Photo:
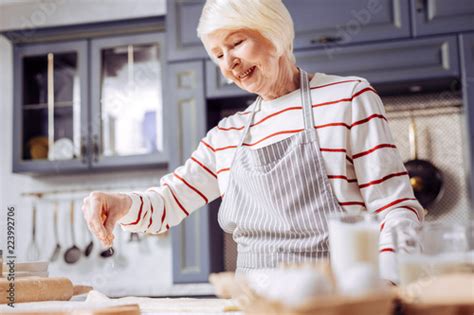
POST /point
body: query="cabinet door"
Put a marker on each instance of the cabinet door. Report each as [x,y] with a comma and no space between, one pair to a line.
[129,122]
[50,107]
[467,60]
[441,16]
[190,239]
[400,61]
[182,19]
[322,22]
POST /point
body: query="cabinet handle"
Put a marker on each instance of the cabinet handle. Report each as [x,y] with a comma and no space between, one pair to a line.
[326,39]
[95,148]
[50,106]
[83,150]
[420,5]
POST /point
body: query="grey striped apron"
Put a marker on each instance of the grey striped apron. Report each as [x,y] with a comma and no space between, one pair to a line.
[279,197]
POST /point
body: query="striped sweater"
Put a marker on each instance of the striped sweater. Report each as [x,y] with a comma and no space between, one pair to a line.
[363,164]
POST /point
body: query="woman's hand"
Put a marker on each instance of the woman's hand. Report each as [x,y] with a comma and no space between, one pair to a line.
[102,211]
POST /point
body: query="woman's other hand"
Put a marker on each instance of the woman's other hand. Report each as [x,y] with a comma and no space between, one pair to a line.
[102,211]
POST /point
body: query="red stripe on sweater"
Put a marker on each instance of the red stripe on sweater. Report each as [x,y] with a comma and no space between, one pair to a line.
[139,213]
[177,201]
[333,150]
[387,249]
[380,146]
[337,150]
[272,135]
[163,216]
[392,204]
[261,120]
[223,170]
[192,187]
[352,203]
[203,166]
[208,145]
[167,226]
[363,121]
[378,181]
[151,216]
[342,177]
[334,83]
[333,125]
[348,99]
[413,210]
[382,226]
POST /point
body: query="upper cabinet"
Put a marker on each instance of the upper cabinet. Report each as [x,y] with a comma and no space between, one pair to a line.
[319,23]
[127,116]
[92,103]
[441,16]
[181,22]
[50,112]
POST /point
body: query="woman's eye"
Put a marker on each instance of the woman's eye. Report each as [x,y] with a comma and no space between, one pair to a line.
[238,43]
[219,56]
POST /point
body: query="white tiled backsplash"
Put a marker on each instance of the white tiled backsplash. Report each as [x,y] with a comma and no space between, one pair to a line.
[439,119]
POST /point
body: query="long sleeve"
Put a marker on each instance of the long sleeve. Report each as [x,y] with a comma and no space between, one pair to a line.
[381,175]
[188,188]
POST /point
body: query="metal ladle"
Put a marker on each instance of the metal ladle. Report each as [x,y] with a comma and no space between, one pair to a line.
[57,249]
[73,254]
[33,250]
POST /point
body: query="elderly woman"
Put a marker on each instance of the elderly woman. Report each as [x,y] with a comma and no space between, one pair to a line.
[309,146]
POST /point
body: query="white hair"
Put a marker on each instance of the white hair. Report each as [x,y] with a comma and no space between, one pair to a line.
[269,17]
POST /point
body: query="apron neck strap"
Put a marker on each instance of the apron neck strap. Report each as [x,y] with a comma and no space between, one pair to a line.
[305,102]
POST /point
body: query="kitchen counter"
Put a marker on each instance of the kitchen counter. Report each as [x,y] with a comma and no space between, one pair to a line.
[96,299]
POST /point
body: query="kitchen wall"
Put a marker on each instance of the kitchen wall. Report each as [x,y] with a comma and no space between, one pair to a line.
[148,269]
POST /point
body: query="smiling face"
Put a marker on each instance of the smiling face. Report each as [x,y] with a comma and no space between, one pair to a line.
[249,60]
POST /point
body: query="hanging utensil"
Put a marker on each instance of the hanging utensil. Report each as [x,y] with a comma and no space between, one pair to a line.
[425,178]
[73,254]
[89,246]
[57,248]
[33,253]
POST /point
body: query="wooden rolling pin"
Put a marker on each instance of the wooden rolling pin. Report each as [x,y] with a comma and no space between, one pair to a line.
[34,289]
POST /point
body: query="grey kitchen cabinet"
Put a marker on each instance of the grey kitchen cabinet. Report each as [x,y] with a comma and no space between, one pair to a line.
[467,60]
[129,117]
[441,16]
[90,98]
[181,23]
[50,109]
[397,61]
[321,23]
[318,23]
[192,239]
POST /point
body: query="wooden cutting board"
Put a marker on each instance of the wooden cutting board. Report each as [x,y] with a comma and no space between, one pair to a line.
[35,289]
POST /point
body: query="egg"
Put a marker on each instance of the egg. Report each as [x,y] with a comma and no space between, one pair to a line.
[360,279]
[292,286]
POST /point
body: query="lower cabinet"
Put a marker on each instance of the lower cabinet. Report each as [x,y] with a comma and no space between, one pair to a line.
[467,66]
[195,246]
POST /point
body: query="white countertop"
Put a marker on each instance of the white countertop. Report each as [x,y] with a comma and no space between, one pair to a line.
[95,299]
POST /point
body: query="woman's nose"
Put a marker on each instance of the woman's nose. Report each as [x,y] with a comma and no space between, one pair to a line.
[231,62]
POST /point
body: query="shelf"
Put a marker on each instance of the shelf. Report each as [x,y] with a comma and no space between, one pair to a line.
[45,105]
